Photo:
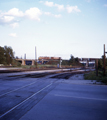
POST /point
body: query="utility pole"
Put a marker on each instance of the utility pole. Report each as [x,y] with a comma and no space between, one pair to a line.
[35,57]
[104,61]
[96,67]
[104,72]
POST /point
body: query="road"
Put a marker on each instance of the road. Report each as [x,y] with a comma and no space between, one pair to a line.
[51,96]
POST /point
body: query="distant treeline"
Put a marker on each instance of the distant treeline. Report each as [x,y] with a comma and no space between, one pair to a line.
[75,62]
[7,56]
[72,61]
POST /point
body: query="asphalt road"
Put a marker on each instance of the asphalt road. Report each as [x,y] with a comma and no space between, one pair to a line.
[52,96]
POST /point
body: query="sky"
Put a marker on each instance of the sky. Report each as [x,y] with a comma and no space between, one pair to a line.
[57,28]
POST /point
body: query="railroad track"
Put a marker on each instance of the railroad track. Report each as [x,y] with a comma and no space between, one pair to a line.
[25,97]
[58,75]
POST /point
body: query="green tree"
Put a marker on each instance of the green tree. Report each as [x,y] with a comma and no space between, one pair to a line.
[71,61]
[9,55]
[2,57]
[74,61]
[100,64]
[65,62]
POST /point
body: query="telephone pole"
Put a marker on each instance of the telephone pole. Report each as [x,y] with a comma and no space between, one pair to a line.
[104,60]
[35,57]
[96,62]
[104,73]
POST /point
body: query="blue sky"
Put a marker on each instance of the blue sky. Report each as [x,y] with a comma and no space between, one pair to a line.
[57,28]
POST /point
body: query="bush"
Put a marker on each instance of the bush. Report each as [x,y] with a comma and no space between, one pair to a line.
[92,76]
[16,63]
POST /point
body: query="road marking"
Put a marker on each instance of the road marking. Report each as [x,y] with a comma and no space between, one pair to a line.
[31,83]
[24,100]
[82,97]
[17,89]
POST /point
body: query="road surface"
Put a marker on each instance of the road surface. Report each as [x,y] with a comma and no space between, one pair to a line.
[51,96]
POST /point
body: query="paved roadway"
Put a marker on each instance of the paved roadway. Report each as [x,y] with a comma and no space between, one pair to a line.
[51,97]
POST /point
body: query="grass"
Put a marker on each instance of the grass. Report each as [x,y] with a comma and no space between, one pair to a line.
[38,66]
[42,66]
[46,66]
[28,66]
[100,77]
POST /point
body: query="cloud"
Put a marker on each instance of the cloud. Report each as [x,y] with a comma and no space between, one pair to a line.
[14,12]
[60,7]
[6,19]
[33,13]
[72,9]
[13,35]
[14,25]
[50,14]
[57,16]
[12,16]
[50,4]
[40,1]
[47,13]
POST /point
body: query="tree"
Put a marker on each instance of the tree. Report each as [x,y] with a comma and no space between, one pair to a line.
[73,60]
[9,55]
[2,57]
[65,62]
[100,64]
[76,60]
